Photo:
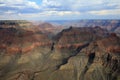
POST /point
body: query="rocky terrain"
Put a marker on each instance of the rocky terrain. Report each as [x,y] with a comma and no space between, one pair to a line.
[76,53]
[110,25]
[49,29]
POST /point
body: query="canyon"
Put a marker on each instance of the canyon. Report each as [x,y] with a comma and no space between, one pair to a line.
[55,52]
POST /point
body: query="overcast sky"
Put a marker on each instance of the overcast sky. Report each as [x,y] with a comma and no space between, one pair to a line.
[59,9]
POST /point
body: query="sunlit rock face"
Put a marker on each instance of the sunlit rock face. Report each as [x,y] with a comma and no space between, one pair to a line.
[27,53]
[15,40]
[110,25]
[73,38]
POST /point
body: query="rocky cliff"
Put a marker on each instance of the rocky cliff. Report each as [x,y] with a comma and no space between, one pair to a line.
[110,25]
[89,53]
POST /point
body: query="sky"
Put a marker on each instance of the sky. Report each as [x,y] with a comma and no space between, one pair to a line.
[59,9]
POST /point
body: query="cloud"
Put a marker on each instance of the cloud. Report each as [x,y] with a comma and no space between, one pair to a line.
[19,4]
[42,15]
[50,13]
[53,3]
[106,12]
[80,5]
[32,4]
[9,12]
[61,8]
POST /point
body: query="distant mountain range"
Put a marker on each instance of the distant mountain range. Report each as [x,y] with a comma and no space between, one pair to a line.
[110,25]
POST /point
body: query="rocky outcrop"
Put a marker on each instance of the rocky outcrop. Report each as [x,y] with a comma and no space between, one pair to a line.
[94,62]
[49,29]
[15,39]
[110,25]
[73,54]
[20,47]
[73,38]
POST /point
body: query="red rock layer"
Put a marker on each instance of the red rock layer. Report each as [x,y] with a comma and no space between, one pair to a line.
[76,37]
[110,44]
[21,41]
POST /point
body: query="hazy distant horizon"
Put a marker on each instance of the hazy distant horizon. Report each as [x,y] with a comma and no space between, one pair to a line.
[53,19]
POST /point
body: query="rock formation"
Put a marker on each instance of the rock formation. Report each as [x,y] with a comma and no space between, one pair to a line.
[87,53]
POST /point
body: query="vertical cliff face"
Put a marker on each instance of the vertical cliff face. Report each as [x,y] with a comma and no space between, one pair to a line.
[73,38]
[110,25]
[15,39]
[91,62]
[73,54]
[94,62]
[19,47]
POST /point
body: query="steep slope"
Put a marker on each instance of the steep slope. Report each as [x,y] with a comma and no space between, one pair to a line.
[49,29]
[75,37]
[110,25]
[98,61]
[21,47]
[13,38]
[80,53]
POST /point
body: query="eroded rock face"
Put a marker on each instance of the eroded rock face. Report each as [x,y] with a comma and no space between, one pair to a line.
[49,29]
[73,38]
[74,54]
[110,25]
[17,47]
[94,62]
[15,40]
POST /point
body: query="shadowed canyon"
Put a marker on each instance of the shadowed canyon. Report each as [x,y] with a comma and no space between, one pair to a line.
[53,50]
